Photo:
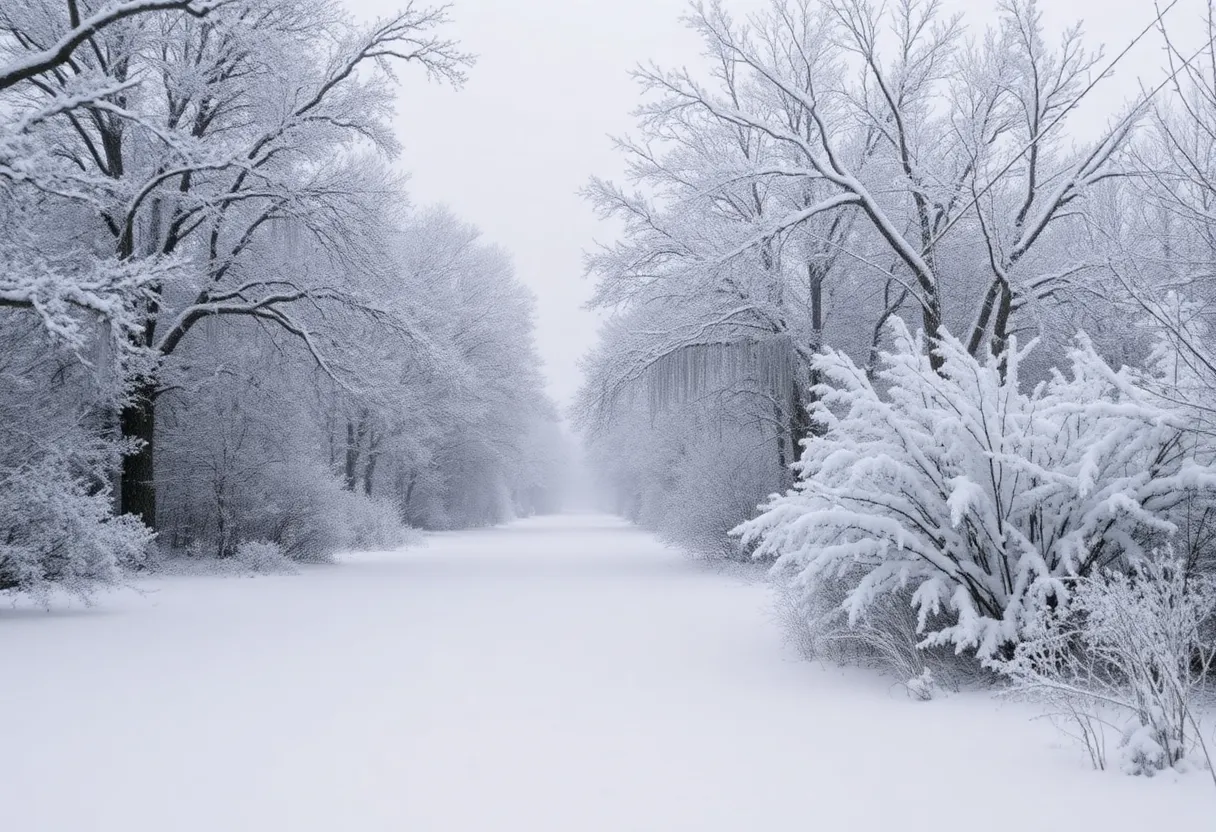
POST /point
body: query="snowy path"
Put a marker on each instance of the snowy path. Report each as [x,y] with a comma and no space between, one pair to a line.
[566,674]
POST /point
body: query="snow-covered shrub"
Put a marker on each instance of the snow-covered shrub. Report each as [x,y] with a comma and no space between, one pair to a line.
[302,511]
[232,472]
[56,532]
[884,638]
[262,557]
[923,687]
[1131,654]
[56,523]
[716,483]
[980,497]
[300,507]
[373,524]
[305,510]
[690,473]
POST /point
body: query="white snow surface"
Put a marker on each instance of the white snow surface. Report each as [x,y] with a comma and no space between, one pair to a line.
[567,674]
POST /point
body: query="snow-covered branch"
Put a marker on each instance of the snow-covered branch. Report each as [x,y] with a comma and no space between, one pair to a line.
[40,61]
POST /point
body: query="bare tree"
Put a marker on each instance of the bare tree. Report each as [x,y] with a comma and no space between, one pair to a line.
[984,163]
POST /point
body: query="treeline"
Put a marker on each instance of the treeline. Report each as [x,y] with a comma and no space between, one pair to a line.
[857,246]
[221,321]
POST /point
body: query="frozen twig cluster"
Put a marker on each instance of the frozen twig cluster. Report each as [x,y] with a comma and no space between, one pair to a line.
[1130,658]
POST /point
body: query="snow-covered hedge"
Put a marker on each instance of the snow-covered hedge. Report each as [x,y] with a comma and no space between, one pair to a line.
[981,497]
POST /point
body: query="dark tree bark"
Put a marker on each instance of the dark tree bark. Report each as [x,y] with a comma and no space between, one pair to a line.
[409,492]
[802,397]
[373,455]
[353,440]
[1000,326]
[138,423]
[779,419]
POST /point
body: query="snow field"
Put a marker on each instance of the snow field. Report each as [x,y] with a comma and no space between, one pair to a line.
[566,673]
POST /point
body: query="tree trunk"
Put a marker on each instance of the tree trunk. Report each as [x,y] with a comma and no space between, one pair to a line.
[353,441]
[369,473]
[980,329]
[333,444]
[138,424]
[374,440]
[931,320]
[355,434]
[409,492]
[801,425]
[779,419]
[1000,326]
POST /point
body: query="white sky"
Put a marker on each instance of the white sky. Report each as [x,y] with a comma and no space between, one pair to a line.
[510,151]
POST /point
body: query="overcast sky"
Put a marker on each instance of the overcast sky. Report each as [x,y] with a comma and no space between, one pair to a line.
[510,151]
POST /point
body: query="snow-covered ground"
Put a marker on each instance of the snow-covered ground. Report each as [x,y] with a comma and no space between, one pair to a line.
[565,674]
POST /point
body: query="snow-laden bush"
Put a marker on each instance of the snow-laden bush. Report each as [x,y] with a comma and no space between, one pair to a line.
[714,484]
[884,638]
[980,497]
[57,532]
[262,557]
[373,524]
[298,505]
[1130,656]
[691,473]
[303,508]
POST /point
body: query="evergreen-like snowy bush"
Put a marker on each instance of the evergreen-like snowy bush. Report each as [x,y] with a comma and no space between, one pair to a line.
[979,496]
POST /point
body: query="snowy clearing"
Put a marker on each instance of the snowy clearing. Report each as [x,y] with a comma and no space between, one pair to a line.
[566,673]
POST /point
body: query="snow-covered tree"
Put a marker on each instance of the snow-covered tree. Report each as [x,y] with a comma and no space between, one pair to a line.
[57,529]
[833,165]
[67,309]
[434,430]
[41,45]
[885,113]
[473,470]
[212,277]
[252,117]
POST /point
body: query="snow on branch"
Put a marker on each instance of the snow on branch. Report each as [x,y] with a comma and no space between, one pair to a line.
[71,292]
[44,60]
